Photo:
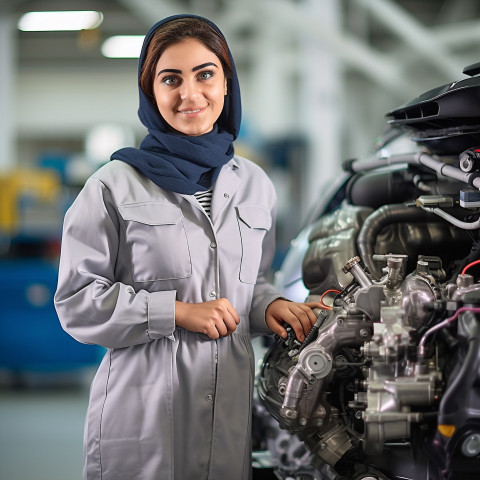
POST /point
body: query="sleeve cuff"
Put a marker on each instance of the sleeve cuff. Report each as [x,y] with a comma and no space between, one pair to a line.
[161,314]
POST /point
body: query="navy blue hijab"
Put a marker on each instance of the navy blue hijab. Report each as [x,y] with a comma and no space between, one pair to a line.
[182,163]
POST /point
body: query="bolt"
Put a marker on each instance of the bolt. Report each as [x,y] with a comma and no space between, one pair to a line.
[289,413]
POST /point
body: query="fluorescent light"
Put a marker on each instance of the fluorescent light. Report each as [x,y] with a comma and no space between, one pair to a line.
[58,21]
[123,46]
[103,139]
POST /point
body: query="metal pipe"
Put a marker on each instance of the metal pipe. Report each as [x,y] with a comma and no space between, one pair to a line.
[419,158]
[438,326]
[454,221]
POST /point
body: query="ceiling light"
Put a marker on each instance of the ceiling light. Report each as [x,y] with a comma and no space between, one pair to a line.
[103,139]
[59,21]
[123,46]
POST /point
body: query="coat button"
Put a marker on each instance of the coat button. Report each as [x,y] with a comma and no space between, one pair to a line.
[213,294]
[226,195]
[213,244]
[210,398]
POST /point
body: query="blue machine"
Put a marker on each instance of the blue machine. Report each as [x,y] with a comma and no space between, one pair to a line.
[31,337]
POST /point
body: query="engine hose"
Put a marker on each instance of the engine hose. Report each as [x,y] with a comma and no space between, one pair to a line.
[376,221]
[312,334]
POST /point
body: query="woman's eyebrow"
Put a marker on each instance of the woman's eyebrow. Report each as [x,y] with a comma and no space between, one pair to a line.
[169,70]
[194,69]
[203,65]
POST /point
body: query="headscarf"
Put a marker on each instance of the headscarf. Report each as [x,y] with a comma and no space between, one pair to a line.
[176,162]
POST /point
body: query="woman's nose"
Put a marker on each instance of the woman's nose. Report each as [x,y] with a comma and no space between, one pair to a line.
[189,90]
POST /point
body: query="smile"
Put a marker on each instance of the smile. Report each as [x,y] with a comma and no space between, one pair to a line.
[197,110]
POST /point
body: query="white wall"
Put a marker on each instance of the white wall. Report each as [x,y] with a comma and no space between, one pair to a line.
[55,104]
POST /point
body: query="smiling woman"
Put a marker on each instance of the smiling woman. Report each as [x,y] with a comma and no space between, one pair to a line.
[189,95]
[174,32]
[165,255]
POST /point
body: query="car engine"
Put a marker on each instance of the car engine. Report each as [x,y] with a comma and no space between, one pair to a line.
[386,386]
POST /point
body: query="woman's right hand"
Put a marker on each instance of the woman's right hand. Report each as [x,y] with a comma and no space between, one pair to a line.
[216,318]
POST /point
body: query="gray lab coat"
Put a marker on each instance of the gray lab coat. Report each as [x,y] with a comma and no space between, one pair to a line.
[167,403]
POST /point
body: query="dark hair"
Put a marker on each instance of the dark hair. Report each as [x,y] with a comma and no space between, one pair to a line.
[175,31]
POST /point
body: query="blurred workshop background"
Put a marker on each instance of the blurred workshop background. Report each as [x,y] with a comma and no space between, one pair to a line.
[317,78]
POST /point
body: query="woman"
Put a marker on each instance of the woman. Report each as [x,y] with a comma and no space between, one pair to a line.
[164,257]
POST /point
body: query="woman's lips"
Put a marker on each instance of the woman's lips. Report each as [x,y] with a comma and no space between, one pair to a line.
[191,111]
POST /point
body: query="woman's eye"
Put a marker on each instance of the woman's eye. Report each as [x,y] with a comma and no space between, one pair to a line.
[169,80]
[205,75]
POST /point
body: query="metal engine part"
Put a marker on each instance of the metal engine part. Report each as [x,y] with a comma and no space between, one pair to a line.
[386,386]
[367,345]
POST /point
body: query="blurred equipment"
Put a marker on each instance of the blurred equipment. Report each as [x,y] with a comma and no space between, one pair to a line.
[22,192]
[387,384]
[34,350]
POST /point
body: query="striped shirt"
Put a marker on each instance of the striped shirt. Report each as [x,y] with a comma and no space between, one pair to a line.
[205,200]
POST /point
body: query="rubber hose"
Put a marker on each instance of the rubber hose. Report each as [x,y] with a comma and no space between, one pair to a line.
[376,221]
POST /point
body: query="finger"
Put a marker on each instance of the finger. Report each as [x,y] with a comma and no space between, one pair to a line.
[313,305]
[221,328]
[308,319]
[315,309]
[233,313]
[275,327]
[301,313]
[227,307]
[212,332]
[311,314]
[294,322]
[230,324]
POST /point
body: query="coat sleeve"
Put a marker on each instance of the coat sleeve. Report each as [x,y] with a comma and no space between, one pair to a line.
[264,292]
[91,305]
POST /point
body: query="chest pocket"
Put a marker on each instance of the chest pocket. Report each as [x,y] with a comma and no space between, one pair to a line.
[156,235]
[253,222]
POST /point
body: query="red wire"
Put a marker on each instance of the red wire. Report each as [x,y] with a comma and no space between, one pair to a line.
[327,307]
[476,262]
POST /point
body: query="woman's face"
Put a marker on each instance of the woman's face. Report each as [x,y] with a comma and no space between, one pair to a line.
[189,87]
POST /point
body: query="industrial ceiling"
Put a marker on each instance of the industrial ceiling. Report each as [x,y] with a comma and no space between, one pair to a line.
[392,42]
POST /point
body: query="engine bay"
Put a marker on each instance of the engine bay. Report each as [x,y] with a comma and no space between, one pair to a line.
[387,384]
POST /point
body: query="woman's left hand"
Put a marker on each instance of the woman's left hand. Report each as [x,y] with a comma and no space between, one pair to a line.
[299,316]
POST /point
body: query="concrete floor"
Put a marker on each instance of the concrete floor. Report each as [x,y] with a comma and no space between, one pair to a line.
[41,426]
[41,434]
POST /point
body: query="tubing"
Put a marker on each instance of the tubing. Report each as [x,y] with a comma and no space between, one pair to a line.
[373,224]
[451,219]
[420,158]
[438,326]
